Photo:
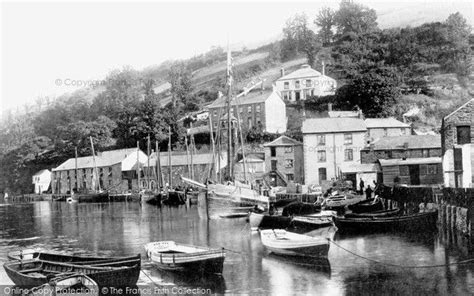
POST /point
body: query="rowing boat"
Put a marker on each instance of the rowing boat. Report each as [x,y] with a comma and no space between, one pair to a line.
[384,213]
[283,242]
[169,255]
[38,254]
[366,206]
[67,284]
[266,221]
[314,221]
[34,273]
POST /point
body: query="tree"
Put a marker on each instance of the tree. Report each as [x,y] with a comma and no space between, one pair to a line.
[325,21]
[181,85]
[354,18]
[458,53]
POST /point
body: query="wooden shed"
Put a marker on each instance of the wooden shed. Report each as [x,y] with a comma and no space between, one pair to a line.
[412,171]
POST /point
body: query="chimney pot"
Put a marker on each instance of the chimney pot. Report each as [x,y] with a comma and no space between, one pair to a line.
[282,72]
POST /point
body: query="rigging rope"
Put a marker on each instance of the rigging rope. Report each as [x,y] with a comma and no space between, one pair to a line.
[468,261]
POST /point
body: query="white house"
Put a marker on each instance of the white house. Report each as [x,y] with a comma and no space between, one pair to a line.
[303,83]
[331,145]
[42,180]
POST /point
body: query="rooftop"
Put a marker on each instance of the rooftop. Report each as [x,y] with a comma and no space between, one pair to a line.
[462,106]
[333,125]
[256,96]
[303,72]
[413,142]
[284,141]
[408,161]
[182,159]
[384,123]
[335,114]
[103,159]
[350,167]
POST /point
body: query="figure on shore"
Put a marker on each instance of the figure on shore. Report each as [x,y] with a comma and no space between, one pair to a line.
[361,185]
[368,192]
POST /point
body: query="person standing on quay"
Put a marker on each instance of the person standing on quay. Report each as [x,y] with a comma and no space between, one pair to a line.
[368,192]
[361,185]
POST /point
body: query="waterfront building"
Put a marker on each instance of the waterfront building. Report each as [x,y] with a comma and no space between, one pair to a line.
[386,127]
[457,141]
[332,148]
[254,166]
[304,83]
[260,108]
[41,181]
[284,161]
[116,172]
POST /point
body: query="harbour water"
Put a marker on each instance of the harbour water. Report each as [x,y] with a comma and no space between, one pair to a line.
[358,265]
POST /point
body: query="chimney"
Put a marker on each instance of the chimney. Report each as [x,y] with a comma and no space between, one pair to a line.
[324,70]
[329,107]
[282,72]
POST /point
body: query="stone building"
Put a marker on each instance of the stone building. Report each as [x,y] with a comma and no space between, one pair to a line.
[116,172]
[457,142]
[259,108]
[303,83]
[284,161]
[386,127]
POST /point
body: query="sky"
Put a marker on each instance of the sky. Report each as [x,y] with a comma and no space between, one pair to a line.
[49,48]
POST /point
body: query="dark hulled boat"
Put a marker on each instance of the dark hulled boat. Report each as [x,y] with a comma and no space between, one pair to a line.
[366,206]
[412,223]
[383,213]
[266,221]
[64,258]
[91,197]
[33,273]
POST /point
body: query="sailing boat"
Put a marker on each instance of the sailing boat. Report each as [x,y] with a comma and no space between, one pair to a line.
[173,197]
[216,199]
[96,194]
[151,195]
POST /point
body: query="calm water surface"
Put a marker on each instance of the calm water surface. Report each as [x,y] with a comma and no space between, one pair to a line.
[123,228]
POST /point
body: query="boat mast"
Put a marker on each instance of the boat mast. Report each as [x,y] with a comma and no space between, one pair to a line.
[170,179]
[158,166]
[138,166]
[213,164]
[229,127]
[95,166]
[191,139]
[187,155]
[148,173]
[75,163]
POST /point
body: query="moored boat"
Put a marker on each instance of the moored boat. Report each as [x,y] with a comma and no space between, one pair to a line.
[266,221]
[383,213]
[314,221]
[29,254]
[282,242]
[366,206]
[150,197]
[67,284]
[33,273]
[91,197]
[169,255]
[413,222]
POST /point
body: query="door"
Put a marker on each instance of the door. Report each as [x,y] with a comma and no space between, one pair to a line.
[322,174]
[274,165]
[297,96]
[414,174]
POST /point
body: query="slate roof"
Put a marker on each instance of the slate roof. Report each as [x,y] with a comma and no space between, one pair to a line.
[384,123]
[359,167]
[408,161]
[333,125]
[414,142]
[256,96]
[103,159]
[284,141]
[461,107]
[335,114]
[304,72]
[181,159]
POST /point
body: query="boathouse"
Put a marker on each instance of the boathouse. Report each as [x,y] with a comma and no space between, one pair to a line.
[41,181]
[116,172]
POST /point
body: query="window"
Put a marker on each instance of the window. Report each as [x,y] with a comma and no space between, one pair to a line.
[322,174]
[463,134]
[348,155]
[432,169]
[290,177]
[274,165]
[297,84]
[215,113]
[257,108]
[250,122]
[249,109]
[308,83]
[321,140]
[297,95]
[425,152]
[321,156]
[273,151]
[286,95]
[259,121]
[288,149]
[215,125]
[389,154]
[404,171]
[347,139]
[308,93]
[385,132]
[286,85]
[288,163]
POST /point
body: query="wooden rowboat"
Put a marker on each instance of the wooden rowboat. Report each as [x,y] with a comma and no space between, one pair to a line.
[414,222]
[282,242]
[34,273]
[169,255]
[38,254]
[68,284]
[266,221]
[314,221]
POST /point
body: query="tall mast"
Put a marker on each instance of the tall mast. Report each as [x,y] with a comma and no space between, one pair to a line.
[95,166]
[229,127]
[170,169]
[213,164]
[158,165]
[192,152]
[187,155]
[75,163]
[138,166]
[148,162]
